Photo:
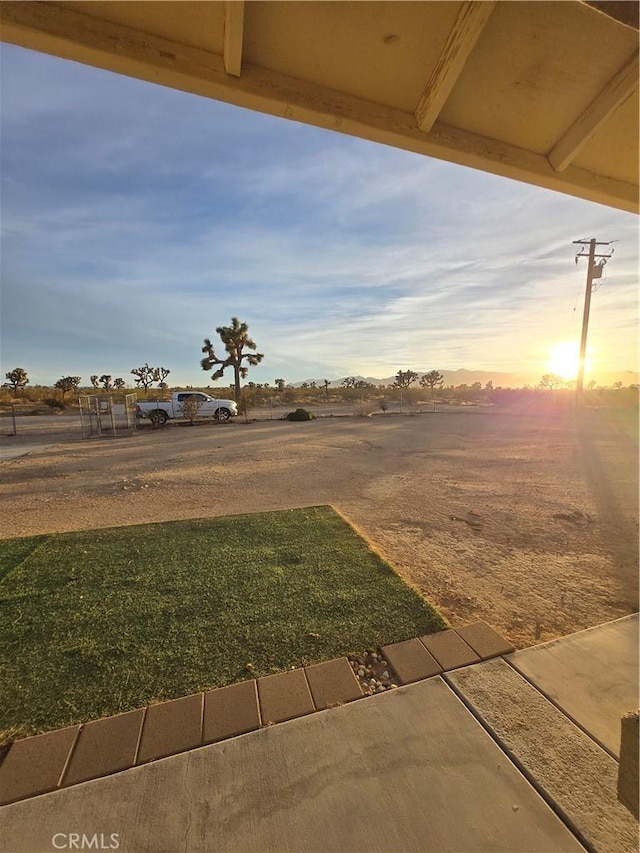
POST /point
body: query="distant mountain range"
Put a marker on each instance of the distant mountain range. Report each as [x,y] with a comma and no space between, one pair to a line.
[462,376]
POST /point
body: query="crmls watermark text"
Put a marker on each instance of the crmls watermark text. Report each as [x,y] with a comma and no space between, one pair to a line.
[77,841]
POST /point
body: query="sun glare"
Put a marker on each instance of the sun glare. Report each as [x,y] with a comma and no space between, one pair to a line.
[564,360]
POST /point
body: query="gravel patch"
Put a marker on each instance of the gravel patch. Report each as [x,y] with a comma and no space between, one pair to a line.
[373,672]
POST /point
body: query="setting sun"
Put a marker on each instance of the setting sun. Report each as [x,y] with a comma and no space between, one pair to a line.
[564,360]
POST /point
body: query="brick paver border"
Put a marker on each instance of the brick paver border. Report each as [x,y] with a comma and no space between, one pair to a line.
[76,754]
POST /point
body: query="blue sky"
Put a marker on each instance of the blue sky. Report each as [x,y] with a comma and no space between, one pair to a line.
[136,219]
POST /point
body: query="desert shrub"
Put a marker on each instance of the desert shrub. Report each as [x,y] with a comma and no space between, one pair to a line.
[191,406]
[245,403]
[54,403]
[300,415]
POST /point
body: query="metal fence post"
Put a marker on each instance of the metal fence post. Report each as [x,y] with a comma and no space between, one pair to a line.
[81,417]
[113,423]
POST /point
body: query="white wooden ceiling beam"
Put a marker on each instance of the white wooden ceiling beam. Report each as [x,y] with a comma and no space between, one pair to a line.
[614,93]
[233,35]
[60,31]
[466,31]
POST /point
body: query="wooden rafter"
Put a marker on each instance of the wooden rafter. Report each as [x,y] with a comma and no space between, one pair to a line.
[233,35]
[614,93]
[70,34]
[461,41]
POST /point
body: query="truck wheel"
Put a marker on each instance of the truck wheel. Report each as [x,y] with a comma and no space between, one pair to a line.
[158,417]
[222,414]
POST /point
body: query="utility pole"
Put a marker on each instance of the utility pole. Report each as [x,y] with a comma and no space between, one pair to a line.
[594,270]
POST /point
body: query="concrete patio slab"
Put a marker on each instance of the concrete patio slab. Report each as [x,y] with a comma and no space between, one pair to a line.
[578,776]
[591,675]
[409,770]
[171,727]
[332,683]
[105,746]
[230,711]
[35,764]
[449,649]
[8,451]
[411,661]
[284,696]
[485,641]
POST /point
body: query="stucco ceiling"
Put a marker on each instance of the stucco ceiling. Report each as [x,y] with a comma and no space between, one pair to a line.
[542,92]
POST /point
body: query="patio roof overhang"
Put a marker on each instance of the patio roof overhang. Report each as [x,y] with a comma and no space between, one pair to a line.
[541,92]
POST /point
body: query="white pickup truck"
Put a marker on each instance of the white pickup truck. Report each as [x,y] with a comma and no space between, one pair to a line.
[209,407]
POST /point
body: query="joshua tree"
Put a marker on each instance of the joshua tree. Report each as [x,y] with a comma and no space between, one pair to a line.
[67,383]
[279,383]
[405,378]
[18,378]
[106,381]
[354,382]
[236,340]
[160,374]
[119,383]
[94,380]
[145,375]
[349,382]
[432,380]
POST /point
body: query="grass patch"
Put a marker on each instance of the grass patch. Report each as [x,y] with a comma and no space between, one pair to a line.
[103,621]
[13,552]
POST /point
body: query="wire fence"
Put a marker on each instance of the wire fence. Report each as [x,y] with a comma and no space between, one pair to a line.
[105,415]
[97,416]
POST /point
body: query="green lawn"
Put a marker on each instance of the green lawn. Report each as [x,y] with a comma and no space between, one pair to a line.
[102,621]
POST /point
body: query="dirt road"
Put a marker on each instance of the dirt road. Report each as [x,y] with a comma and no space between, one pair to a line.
[528,522]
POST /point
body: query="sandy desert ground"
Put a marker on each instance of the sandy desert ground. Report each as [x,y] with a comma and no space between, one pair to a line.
[529,522]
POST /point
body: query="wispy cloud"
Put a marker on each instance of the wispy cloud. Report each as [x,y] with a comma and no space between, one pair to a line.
[136,219]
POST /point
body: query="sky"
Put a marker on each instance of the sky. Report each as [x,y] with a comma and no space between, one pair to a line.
[136,219]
